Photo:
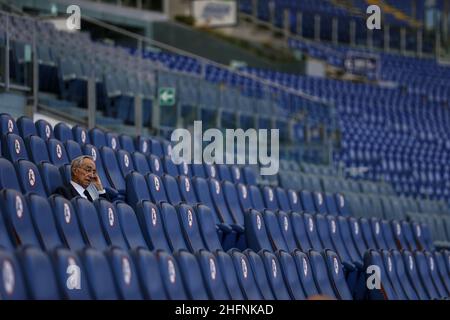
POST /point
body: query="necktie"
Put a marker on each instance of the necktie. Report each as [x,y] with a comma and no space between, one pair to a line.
[88,196]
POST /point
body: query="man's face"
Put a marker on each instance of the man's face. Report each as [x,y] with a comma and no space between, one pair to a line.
[86,173]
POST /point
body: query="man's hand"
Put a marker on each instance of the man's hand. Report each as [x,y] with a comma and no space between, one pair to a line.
[98,184]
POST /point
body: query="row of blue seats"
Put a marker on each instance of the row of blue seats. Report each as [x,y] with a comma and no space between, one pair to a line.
[141,274]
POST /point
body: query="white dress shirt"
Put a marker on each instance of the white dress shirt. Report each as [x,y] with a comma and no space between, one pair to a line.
[91,189]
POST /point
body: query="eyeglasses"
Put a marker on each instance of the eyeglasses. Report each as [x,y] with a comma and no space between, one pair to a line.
[89,170]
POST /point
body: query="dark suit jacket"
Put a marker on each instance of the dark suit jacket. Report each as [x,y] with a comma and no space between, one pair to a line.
[69,192]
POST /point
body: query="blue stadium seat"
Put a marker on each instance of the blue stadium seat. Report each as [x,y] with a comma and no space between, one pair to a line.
[212,276]
[142,145]
[172,227]
[342,205]
[156,187]
[291,277]
[125,275]
[112,169]
[156,148]
[151,225]
[185,169]
[391,274]
[198,170]
[294,201]
[8,177]
[89,223]
[387,291]
[156,166]
[13,286]
[97,137]
[283,201]
[210,171]
[137,189]
[403,278]
[287,230]
[125,162]
[312,232]
[440,261]
[368,234]
[347,239]
[378,233]
[192,276]
[44,222]
[275,275]
[299,230]
[340,246]
[319,202]
[398,235]
[305,272]
[63,132]
[250,175]
[190,228]
[424,271]
[245,276]
[43,287]
[337,275]
[130,226]
[208,229]
[408,235]
[67,223]
[321,274]
[127,143]
[236,174]
[413,274]
[257,265]
[231,197]
[270,200]
[81,135]
[99,274]
[44,129]
[110,223]
[230,276]
[14,148]
[186,190]
[171,276]
[274,231]
[307,201]
[140,163]
[57,152]
[169,166]
[112,141]
[255,231]
[65,173]
[29,178]
[331,204]
[26,127]
[224,172]
[172,190]
[73,149]
[149,275]
[388,235]
[257,200]
[7,124]
[17,218]
[37,149]
[244,197]
[356,233]
[70,275]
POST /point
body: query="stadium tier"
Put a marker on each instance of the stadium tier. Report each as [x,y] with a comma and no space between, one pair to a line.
[199,231]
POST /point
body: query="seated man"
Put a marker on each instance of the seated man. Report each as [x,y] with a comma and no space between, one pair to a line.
[84,181]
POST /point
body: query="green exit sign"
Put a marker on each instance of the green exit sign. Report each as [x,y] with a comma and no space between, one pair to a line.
[167,96]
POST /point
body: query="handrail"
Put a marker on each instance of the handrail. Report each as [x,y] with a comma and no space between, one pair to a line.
[203,60]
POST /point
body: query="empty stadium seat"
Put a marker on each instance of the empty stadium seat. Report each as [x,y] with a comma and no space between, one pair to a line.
[321,274]
[186,190]
[190,228]
[14,148]
[8,177]
[57,152]
[127,143]
[156,187]
[208,229]
[7,124]
[245,276]
[81,135]
[63,132]
[26,127]
[37,149]
[152,226]
[13,285]
[99,274]
[112,169]
[73,149]
[257,265]
[171,276]
[192,275]
[110,223]
[212,276]
[70,275]
[29,178]
[44,129]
